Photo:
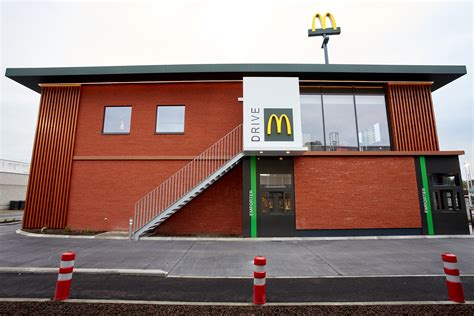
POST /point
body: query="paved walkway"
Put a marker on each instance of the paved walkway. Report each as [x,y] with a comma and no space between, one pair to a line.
[9,216]
[196,258]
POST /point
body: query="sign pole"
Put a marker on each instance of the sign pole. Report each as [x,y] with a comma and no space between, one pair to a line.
[325,46]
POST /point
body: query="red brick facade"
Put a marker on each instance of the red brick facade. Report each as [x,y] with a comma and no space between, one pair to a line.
[103,192]
[330,192]
[356,192]
[212,110]
[216,211]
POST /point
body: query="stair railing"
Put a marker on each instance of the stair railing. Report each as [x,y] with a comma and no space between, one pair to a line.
[188,177]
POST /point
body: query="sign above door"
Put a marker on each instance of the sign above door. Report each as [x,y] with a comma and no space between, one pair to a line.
[272,116]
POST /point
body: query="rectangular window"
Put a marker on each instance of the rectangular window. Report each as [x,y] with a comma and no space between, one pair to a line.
[345,119]
[340,123]
[117,119]
[312,121]
[372,122]
[170,119]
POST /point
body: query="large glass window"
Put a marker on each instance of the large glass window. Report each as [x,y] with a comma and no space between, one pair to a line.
[339,119]
[312,121]
[170,119]
[372,122]
[345,119]
[117,119]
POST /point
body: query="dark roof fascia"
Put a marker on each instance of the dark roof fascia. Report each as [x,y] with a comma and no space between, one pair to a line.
[439,75]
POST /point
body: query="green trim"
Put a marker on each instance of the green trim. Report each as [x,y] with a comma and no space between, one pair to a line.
[253,189]
[426,198]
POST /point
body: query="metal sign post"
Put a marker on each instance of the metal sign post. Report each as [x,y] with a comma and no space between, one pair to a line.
[323,31]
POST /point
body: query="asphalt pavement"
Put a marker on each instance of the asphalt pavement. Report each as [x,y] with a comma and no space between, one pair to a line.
[152,288]
[220,270]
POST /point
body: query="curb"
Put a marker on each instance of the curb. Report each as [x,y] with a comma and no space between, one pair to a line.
[23,233]
[162,273]
[151,272]
[138,302]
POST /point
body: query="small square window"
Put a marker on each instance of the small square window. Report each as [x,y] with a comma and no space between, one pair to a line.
[117,119]
[170,119]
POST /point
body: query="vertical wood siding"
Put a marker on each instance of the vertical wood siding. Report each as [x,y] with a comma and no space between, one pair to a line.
[411,114]
[51,164]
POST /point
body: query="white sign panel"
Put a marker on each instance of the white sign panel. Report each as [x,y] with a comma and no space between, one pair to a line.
[272,116]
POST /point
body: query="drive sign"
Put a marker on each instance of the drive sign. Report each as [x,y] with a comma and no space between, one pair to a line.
[272,116]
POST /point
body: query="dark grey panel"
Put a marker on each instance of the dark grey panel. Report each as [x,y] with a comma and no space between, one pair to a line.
[447,222]
[439,75]
[358,232]
[245,196]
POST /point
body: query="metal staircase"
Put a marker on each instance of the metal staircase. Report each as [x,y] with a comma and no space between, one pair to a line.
[187,183]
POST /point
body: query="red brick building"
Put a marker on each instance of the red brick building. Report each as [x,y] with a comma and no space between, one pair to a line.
[165,147]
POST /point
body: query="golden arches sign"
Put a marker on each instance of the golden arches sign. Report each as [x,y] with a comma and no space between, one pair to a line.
[322,20]
[279,121]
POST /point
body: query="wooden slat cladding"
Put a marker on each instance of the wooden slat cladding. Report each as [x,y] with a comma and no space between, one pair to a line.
[51,164]
[411,114]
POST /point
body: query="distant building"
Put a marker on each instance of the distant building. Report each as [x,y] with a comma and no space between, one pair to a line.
[13,182]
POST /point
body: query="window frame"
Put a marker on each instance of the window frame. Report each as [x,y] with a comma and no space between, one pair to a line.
[170,133]
[354,90]
[103,119]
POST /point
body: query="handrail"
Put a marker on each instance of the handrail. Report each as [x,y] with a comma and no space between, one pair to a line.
[188,177]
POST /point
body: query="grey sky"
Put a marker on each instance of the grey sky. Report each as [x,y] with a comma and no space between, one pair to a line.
[97,33]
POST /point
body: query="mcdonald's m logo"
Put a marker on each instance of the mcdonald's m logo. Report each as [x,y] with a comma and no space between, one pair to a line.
[278,125]
[334,30]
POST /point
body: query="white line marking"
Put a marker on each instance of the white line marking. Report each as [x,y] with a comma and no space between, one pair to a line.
[154,272]
[91,301]
[157,272]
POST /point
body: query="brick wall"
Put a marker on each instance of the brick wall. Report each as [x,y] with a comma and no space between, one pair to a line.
[216,211]
[212,110]
[356,192]
[103,193]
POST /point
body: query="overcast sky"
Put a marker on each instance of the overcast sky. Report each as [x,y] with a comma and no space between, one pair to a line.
[98,33]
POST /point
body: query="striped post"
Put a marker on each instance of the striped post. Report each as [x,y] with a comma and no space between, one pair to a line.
[453,280]
[259,275]
[63,284]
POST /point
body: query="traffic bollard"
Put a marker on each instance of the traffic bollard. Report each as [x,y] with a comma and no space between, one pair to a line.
[63,284]
[453,279]
[259,276]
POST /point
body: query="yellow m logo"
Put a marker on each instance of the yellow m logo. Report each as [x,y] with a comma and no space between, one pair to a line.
[322,20]
[278,121]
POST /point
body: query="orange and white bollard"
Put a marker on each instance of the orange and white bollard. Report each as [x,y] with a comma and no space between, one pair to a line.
[453,279]
[63,284]
[259,276]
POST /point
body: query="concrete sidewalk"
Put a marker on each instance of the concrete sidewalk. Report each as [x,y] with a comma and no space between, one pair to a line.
[10,216]
[197,258]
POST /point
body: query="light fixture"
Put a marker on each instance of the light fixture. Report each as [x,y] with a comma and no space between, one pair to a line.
[261,152]
[281,158]
[287,152]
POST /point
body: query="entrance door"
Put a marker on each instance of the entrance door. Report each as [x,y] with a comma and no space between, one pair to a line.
[275,202]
